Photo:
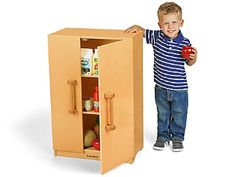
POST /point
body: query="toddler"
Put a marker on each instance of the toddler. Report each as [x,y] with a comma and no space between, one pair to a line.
[171,89]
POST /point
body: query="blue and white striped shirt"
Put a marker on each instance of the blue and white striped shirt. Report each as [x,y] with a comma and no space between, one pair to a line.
[169,71]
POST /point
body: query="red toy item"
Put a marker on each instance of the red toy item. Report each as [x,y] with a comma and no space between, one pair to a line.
[96,100]
[186,51]
[96,144]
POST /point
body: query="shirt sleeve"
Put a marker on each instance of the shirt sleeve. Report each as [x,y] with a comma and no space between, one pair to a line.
[188,42]
[151,36]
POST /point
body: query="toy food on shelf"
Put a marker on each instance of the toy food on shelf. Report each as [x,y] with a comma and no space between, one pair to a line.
[89,62]
[86,61]
[88,138]
[88,104]
[96,100]
[92,136]
[96,144]
[95,62]
[96,128]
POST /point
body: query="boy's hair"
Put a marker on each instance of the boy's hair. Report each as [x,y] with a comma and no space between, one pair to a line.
[169,8]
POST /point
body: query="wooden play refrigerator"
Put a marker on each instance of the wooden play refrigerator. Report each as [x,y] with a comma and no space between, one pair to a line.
[120,88]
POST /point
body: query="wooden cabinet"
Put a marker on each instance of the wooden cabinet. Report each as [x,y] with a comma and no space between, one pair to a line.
[120,84]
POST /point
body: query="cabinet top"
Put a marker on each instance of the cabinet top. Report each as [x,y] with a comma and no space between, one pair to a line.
[94,33]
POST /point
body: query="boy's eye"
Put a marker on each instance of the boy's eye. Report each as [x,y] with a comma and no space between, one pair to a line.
[167,23]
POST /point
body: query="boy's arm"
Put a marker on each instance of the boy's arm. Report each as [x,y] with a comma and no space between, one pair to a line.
[193,58]
[134,29]
[151,36]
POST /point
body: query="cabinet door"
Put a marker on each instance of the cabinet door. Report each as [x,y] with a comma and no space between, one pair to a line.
[65,87]
[116,103]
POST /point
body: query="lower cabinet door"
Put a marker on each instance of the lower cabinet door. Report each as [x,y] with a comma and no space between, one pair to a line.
[116,103]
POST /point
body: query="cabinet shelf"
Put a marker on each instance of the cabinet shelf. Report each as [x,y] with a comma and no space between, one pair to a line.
[91,112]
[92,153]
[90,76]
[90,149]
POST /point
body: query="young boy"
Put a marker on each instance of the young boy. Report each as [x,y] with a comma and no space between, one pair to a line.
[171,89]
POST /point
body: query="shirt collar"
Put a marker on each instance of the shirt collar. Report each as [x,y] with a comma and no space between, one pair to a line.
[178,39]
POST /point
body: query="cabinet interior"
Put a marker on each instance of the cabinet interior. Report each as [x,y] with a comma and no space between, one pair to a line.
[89,121]
[88,86]
[94,43]
[89,117]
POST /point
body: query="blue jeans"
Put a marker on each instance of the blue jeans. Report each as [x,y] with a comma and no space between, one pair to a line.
[172,108]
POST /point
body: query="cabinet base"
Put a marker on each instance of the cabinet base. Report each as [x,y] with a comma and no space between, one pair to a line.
[87,154]
[131,160]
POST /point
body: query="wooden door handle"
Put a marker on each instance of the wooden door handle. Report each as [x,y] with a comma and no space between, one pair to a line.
[72,84]
[110,124]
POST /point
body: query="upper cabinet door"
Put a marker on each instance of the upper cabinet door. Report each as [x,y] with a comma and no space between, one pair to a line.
[116,103]
[65,83]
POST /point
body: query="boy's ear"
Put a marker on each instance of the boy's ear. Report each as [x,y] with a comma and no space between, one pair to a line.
[159,25]
[182,23]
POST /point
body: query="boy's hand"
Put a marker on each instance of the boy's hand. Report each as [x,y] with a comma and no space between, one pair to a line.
[134,29]
[192,57]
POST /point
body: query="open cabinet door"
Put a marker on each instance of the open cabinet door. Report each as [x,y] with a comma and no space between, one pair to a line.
[65,83]
[116,103]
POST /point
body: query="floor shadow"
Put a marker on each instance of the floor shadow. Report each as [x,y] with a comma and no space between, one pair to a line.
[149,136]
[34,130]
[77,164]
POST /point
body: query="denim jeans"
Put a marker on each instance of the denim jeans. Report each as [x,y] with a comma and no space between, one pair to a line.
[172,108]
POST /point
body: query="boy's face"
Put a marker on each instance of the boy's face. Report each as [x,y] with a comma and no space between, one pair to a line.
[170,24]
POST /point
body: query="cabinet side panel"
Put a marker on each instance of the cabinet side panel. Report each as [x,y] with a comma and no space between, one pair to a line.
[64,61]
[138,91]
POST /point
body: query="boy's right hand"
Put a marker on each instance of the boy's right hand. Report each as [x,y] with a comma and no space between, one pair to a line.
[135,29]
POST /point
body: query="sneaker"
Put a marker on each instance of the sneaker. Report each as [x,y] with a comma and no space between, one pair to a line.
[159,145]
[177,146]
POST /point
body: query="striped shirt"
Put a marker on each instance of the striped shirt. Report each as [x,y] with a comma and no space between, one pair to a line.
[169,71]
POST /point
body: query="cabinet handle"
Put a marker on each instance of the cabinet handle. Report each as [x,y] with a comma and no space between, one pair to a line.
[110,125]
[72,84]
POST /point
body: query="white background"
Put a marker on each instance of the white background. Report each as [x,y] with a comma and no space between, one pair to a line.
[25,128]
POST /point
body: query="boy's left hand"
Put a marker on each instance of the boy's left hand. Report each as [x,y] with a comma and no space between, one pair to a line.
[192,57]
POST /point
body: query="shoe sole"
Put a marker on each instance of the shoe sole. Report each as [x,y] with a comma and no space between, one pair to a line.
[158,148]
[177,150]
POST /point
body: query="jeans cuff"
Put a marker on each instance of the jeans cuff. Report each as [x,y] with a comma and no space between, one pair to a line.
[177,139]
[163,139]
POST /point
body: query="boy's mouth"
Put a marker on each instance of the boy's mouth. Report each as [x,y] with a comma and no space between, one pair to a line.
[171,31]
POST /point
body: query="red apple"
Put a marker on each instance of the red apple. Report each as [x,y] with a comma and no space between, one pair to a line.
[96,144]
[186,51]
